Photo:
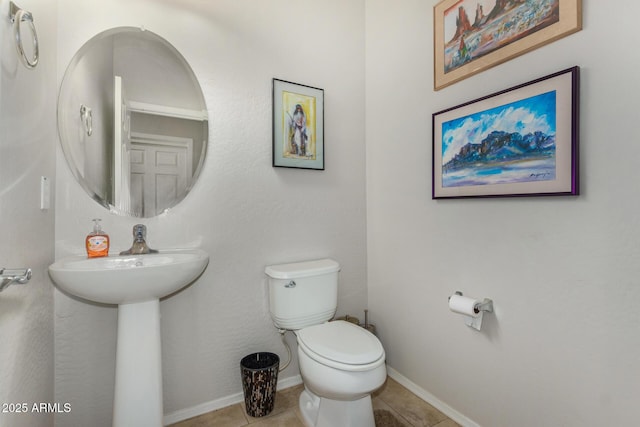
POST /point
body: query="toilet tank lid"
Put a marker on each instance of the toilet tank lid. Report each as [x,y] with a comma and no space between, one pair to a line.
[297,270]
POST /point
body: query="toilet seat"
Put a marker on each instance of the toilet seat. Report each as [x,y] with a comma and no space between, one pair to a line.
[341,345]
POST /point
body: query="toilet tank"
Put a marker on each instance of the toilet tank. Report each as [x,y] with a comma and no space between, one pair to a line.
[302,294]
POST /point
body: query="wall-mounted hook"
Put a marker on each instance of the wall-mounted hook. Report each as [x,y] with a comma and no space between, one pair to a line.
[87,118]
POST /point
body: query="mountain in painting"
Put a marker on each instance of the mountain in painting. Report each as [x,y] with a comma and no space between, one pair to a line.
[500,146]
[503,5]
[463,24]
[507,22]
[480,16]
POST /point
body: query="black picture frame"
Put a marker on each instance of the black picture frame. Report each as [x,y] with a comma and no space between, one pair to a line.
[522,141]
[298,126]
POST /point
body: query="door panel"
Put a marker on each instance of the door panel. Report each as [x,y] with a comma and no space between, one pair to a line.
[160,174]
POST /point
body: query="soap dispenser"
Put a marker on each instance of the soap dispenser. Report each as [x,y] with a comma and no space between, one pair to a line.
[97,242]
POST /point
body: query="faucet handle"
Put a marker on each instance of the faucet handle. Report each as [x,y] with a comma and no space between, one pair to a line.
[139,246]
[140,231]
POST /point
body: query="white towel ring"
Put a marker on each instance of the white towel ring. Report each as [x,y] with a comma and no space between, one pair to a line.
[18,16]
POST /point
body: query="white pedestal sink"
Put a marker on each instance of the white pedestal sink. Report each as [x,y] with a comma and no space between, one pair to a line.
[135,283]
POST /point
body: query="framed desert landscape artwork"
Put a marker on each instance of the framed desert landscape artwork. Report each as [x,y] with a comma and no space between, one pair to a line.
[522,141]
[471,36]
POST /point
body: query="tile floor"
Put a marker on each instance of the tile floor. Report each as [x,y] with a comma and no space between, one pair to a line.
[408,408]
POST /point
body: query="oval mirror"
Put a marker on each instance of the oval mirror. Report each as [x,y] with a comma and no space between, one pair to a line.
[132,122]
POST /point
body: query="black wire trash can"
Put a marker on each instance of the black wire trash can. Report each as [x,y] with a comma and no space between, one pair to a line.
[259,380]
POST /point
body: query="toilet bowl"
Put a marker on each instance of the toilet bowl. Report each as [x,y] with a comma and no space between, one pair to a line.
[341,364]
[340,360]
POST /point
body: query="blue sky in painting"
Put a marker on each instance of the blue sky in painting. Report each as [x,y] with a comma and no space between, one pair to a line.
[528,115]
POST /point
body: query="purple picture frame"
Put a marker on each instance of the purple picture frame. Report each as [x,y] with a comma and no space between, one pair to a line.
[522,141]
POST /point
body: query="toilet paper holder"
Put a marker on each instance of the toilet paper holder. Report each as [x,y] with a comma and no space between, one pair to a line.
[485,305]
[474,317]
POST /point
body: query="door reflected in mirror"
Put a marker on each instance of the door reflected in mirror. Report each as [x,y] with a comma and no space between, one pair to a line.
[132,122]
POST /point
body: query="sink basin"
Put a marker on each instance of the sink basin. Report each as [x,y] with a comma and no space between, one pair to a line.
[129,278]
[135,283]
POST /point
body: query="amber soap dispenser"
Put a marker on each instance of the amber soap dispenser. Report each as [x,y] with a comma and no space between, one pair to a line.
[97,242]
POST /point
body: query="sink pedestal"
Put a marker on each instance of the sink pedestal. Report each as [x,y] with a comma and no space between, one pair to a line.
[138,388]
[135,283]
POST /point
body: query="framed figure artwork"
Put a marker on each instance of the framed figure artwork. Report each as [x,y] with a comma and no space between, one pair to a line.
[298,126]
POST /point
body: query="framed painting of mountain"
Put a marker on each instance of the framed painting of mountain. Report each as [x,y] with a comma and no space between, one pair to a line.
[471,36]
[522,141]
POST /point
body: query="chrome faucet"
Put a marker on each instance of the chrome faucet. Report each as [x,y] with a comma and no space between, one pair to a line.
[139,242]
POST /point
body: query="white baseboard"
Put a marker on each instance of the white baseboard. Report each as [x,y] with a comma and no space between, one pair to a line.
[285,383]
[431,399]
[223,402]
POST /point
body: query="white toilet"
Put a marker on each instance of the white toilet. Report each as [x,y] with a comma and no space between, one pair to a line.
[341,363]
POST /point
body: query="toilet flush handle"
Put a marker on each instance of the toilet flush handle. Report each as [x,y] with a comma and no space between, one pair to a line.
[291,284]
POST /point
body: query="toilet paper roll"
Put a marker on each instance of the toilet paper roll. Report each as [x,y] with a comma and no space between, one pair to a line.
[463,305]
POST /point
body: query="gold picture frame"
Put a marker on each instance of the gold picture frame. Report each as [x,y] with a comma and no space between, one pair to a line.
[469,38]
